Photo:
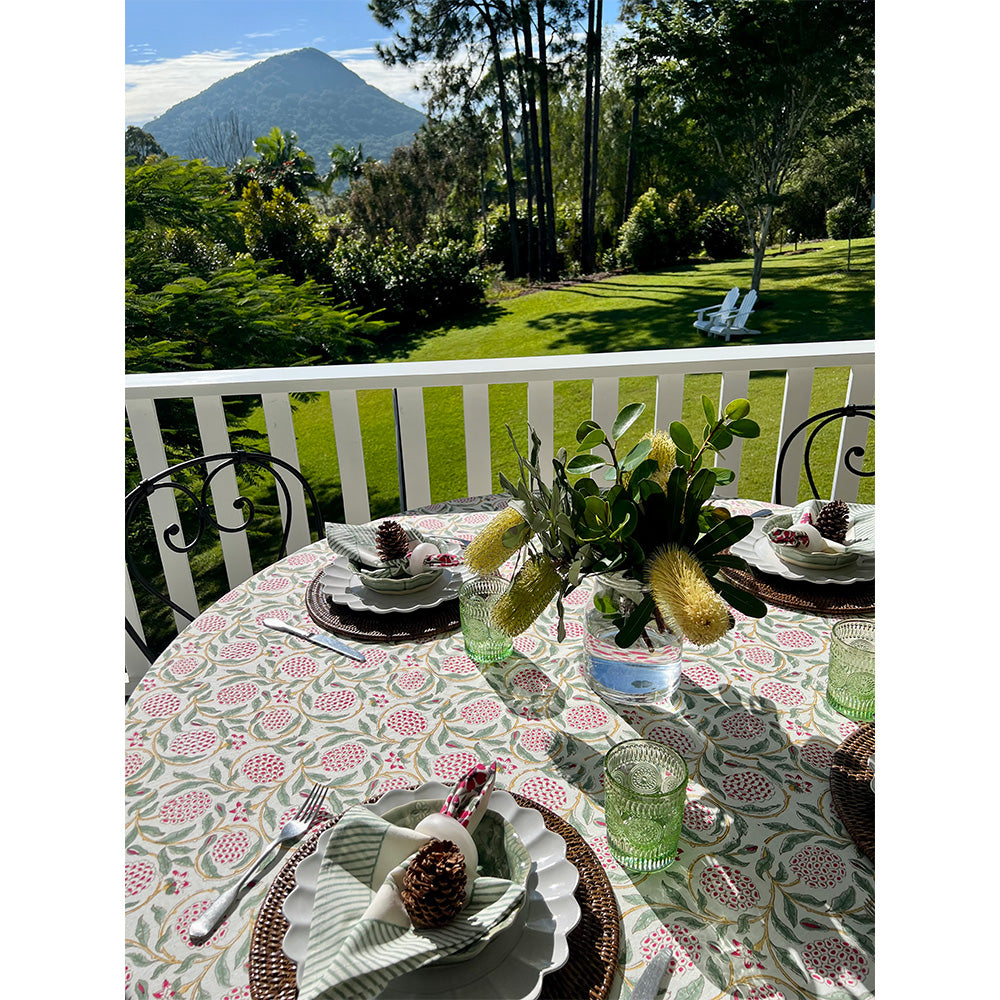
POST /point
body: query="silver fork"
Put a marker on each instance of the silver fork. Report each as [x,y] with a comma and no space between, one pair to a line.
[293,829]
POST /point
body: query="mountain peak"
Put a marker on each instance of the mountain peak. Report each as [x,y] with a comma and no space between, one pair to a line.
[305,91]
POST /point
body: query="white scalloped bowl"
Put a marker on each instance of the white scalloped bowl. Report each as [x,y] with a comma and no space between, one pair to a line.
[811,560]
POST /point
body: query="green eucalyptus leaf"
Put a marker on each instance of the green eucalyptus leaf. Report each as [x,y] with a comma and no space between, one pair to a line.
[676,485]
[591,440]
[637,454]
[721,439]
[722,535]
[739,599]
[647,488]
[724,476]
[582,464]
[699,490]
[586,427]
[681,437]
[709,407]
[507,484]
[627,416]
[635,623]
[737,409]
[722,562]
[745,428]
[586,487]
[515,537]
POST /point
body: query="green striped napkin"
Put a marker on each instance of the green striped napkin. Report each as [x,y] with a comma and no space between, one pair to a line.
[360,936]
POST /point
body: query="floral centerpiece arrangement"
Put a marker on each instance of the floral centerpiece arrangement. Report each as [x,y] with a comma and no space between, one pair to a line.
[649,529]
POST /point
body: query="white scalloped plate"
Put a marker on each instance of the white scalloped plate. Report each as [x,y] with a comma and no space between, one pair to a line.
[756,549]
[512,965]
[343,586]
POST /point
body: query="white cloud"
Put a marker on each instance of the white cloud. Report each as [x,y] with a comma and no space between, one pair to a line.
[153,87]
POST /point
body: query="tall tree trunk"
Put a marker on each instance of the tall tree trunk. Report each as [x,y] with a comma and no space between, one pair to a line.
[534,250]
[594,136]
[508,163]
[587,234]
[531,84]
[630,166]
[546,145]
[761,247]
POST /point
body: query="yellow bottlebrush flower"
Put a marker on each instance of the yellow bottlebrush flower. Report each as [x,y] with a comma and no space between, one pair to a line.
[486,552]
[529,595]
[684,596]
[665,452]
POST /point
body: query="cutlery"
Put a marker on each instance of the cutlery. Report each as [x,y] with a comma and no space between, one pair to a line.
[318,637]
[649,982]
[293,829]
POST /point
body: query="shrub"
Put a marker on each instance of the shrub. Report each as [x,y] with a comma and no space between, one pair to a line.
[720,231]
[642,239]
[412,285]
[850,218]
[281,228]
[681,227]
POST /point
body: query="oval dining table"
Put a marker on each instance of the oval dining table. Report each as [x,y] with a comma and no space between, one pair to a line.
[770,896]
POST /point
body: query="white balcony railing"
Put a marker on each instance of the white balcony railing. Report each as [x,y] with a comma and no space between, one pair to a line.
[343,382]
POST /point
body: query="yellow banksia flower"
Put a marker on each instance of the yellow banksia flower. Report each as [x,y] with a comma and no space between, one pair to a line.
[684,596]
[665,452]
[529,595]
[486,552]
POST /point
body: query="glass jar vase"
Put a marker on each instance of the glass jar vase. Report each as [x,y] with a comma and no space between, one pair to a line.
[647,671]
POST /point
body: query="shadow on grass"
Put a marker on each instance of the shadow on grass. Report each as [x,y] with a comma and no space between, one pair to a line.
[398,345]
[799,316]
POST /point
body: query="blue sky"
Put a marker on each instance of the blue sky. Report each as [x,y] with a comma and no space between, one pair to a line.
[174,49]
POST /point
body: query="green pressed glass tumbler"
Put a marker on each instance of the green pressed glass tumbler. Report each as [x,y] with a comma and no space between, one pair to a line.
[645,786]
[484,642]
[850,682]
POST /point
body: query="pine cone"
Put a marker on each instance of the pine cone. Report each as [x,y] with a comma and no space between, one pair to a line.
[832,521]
[434,884]
[391,542]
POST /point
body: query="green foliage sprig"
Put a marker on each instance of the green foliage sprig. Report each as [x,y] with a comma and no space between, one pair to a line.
[584,528]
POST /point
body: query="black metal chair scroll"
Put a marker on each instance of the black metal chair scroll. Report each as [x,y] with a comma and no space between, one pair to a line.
[202,510]
[821,420]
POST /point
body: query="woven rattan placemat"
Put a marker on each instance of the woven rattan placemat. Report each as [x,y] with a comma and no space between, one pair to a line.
[367,626]
[593,943]
[853,797]
[839,599]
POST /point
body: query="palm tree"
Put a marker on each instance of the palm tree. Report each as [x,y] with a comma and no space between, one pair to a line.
[348,163]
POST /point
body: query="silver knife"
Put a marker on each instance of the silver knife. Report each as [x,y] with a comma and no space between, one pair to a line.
[648,985]
[318,637]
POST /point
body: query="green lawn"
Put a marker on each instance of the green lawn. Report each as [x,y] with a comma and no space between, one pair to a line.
[805,296]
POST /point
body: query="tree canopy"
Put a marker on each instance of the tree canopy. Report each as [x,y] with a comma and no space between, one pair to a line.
[761,81]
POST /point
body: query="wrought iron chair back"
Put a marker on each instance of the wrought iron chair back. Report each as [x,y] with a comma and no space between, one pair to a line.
[201,509]
[821,420]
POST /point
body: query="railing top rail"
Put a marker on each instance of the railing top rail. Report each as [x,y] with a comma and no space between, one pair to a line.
[561,367]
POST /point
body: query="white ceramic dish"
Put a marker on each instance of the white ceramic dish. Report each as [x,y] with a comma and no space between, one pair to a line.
[757,550]
[343,586]
[862,529]
[512,965]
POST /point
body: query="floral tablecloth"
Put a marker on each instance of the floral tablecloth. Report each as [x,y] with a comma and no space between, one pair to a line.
[766,899]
